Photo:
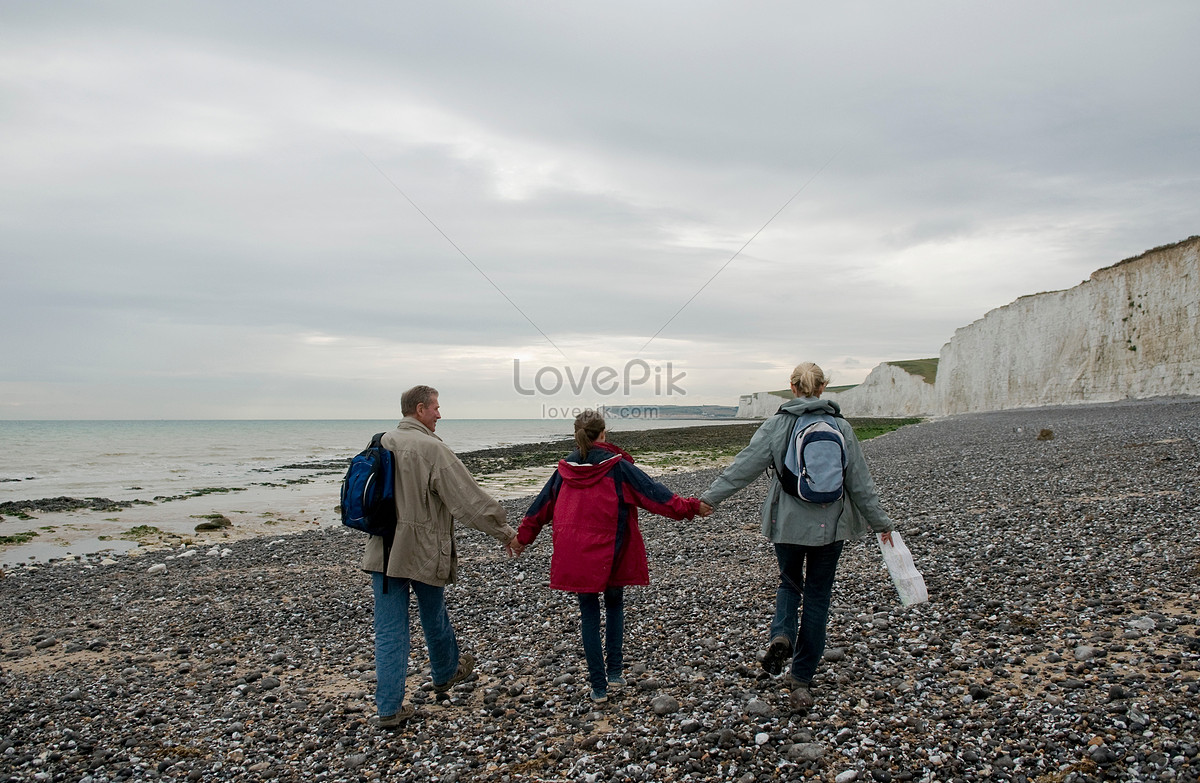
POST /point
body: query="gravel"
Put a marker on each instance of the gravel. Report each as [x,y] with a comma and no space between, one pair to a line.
[1060,642]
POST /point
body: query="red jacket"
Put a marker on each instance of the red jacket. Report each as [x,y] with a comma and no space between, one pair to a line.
[592,505]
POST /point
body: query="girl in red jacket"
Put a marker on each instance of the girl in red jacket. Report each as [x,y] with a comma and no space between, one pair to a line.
[592,501]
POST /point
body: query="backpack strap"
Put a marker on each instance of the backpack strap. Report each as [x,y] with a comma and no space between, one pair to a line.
[773,468]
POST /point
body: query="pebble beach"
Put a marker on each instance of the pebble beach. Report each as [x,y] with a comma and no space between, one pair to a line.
[1060,641]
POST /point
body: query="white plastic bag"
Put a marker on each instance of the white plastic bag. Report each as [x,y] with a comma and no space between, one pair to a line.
[905,576]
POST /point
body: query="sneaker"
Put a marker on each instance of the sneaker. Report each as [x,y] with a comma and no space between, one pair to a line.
[800,699]
[599,696]
[617,680]
[466,665]
[778,651]
[402,715]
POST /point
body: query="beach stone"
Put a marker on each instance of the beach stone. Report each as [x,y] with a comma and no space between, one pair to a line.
[1085,652]
[800,699]
[218,522]
[758,707]
[664,704]
[157,568]
[1016,585]
[806,751]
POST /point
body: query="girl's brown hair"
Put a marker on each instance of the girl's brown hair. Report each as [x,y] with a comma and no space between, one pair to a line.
[809,378]
[588,426]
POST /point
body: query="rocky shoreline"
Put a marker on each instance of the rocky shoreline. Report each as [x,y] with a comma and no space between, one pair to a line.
[1060,642]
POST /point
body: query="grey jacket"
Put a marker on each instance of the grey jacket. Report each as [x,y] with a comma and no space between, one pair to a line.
[788,520]
[433,488]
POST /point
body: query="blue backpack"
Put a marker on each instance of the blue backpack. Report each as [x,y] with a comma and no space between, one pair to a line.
[813,468]
[369,494]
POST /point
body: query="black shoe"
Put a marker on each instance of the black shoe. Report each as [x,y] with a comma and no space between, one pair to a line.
[778,652]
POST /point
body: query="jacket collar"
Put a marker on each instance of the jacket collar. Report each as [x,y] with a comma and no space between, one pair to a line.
[408,423]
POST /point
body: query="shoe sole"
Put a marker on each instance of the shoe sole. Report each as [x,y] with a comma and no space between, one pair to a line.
[777,653]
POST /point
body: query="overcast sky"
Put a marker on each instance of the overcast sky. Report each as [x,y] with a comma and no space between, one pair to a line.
[214,210]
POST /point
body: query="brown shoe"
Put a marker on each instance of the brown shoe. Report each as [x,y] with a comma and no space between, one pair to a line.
[790,682]
[402,715]
[466,665]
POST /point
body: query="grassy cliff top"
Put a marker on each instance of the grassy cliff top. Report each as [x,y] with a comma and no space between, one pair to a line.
[924,368]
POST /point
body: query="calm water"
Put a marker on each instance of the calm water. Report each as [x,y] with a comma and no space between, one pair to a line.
[127,460]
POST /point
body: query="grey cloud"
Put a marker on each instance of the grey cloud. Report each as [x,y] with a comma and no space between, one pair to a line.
[193,171]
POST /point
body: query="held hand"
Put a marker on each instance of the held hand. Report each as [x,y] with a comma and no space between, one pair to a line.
[514,547]
[887,537]
[705,509]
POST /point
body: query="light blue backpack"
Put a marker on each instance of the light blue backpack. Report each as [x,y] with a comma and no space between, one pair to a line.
[813,467]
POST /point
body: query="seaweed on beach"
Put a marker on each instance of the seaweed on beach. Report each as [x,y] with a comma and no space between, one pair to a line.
[18,538]
[22,508]
[198,493]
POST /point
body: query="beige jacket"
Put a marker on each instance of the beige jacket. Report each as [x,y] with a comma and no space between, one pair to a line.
[433,488]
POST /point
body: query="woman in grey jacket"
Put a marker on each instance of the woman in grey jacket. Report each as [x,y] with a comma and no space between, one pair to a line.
[808,537]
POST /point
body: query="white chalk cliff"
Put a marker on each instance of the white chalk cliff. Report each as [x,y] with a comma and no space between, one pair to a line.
[1130,331]
[889,390]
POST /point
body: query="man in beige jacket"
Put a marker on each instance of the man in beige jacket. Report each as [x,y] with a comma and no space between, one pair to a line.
[433,488]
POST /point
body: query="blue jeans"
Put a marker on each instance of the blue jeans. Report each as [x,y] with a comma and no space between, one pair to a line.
[812,587]
[614,635]
[392,637]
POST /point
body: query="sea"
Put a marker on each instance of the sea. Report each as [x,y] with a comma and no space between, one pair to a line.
[126,460]
[249,461]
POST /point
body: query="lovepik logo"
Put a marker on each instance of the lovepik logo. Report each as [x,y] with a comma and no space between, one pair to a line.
[603,380]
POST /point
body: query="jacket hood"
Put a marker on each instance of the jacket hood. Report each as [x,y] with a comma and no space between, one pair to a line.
[802,405]
[587,471]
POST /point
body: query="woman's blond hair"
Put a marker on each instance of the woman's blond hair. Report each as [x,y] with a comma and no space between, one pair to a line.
[588,426]
[809,378]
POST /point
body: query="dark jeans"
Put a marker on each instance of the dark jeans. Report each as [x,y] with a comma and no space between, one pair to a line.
[812,587]
[614,633]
